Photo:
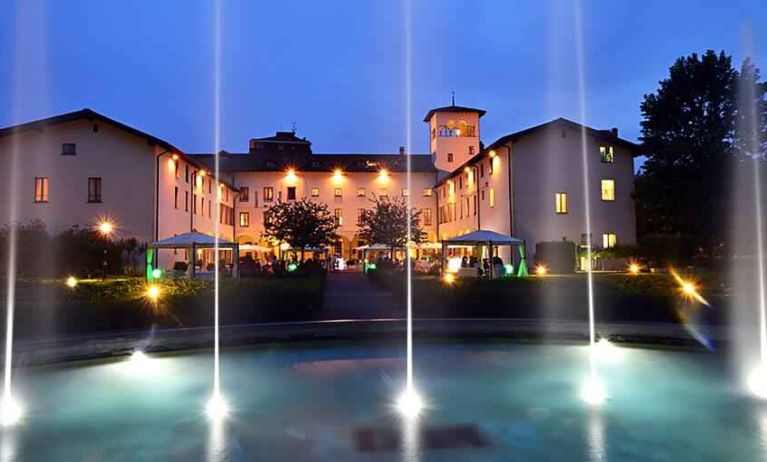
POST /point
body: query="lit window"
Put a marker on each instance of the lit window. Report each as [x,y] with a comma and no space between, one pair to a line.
[609,240]
[427,192]
[291,193]
[244,219]
[361,192]
[338,192]
[244,194]
[268,194]
[492,197]
[69,149]
[94,189]
[315,192]
[427,217]
[405,192]
[560,202]
[607,154]
[339,216]
[608,190]
[41,189]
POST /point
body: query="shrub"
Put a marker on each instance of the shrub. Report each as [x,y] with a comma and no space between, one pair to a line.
[559,256]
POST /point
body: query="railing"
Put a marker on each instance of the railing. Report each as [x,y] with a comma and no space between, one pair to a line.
[447,132]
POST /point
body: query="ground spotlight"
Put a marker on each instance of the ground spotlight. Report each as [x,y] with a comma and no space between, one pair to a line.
[153,292]
[634,268]
[72,282]
[541,270]
[449,278]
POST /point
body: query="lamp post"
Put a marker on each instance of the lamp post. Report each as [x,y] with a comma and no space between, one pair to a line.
[105,229]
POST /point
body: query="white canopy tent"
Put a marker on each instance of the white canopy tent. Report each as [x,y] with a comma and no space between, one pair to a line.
[481,238]
[194,241]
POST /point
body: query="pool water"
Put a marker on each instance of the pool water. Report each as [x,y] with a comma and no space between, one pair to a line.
[486,401]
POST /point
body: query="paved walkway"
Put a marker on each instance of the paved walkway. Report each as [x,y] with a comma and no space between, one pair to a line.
[352,296]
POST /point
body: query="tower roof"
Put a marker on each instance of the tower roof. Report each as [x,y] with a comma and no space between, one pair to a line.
[453,108]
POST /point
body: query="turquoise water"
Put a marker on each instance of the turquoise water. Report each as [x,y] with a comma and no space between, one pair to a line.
[486,401]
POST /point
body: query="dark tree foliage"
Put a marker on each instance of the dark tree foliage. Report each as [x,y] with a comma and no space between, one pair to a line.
[386,223]
[751,117]
[302,224]
[689,137]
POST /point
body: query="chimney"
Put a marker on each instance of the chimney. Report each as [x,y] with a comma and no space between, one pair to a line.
[614,131]
[402,150]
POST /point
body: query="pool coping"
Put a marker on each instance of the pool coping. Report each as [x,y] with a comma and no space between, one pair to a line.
[116,344]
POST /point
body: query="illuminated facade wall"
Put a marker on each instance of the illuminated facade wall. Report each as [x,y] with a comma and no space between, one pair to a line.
[346,193]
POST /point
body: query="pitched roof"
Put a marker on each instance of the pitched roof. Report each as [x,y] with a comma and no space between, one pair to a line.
[242,162]
[283,137]
[453,108]
[87,114]
[608,136]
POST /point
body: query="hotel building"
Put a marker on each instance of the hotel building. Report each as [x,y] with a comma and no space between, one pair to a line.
[81,168]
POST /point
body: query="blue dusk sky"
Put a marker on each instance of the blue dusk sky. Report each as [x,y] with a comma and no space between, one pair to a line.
[337,68]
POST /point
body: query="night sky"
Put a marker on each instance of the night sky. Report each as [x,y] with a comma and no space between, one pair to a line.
[336,68]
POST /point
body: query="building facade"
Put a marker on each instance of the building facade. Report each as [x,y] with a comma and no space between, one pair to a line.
[82,168]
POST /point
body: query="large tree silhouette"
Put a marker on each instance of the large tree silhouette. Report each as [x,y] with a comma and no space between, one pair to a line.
[688,133]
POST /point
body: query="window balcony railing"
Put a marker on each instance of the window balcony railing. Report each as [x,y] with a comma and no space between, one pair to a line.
[447,132]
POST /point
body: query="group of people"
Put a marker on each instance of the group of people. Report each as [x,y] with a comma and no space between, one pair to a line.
[484,270]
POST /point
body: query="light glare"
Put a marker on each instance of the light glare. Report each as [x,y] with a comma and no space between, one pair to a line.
[449,278]
[409,403]
[72,282]
[153,293]
[541,270]
[216,409]
[757,382]
[106,227]
[10,411]
[593,391]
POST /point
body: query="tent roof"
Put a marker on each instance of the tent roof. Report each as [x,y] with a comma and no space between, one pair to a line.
[483,236]
[187,240]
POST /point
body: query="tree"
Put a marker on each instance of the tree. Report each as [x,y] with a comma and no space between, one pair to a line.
[302,224]
[751,117]
[687,132]
[386,223]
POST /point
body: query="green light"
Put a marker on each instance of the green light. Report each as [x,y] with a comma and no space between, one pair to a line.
[292,267]
[157,273]
[509,269]
[371,266]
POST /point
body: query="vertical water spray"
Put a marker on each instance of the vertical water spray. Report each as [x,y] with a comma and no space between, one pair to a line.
[748,129]
[216,407]
[409,402]
[593,390]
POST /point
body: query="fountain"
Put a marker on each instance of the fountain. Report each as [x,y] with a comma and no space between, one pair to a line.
[409,403]
[216,408]
[593,390]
